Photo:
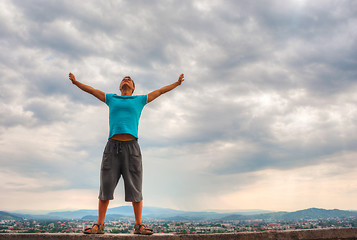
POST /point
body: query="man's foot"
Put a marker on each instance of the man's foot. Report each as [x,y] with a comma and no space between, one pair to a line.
[95,229]
[142,229]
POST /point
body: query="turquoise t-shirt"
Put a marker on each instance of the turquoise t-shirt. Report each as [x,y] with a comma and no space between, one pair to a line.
[124,113]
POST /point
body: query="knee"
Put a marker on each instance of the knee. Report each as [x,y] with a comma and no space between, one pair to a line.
[104,201]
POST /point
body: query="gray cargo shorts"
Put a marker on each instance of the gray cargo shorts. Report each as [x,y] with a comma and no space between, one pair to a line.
[121,158]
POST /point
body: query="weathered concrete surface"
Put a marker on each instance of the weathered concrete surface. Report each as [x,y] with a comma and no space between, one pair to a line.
[316,234]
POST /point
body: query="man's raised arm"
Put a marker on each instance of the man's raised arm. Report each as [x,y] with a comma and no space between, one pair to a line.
[95,92]
[157,93]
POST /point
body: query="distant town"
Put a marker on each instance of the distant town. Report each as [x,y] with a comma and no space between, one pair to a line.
[174,227]
[164,220]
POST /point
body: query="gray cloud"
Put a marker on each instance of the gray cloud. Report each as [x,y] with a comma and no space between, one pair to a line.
[268,86]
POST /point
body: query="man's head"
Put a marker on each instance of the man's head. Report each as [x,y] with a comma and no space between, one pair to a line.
[127,84]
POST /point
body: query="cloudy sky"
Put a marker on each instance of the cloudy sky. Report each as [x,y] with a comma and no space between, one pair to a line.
[266,117]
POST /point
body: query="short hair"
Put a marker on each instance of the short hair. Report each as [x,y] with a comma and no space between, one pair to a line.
[131,80]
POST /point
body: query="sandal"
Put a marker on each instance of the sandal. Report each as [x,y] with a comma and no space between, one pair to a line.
[92,230]
[143,231]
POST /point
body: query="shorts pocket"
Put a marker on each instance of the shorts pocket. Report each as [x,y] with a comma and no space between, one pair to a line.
[106,161]
[135,164]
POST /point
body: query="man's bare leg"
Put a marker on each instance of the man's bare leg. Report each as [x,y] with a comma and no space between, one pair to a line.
[102,210]
[138,209]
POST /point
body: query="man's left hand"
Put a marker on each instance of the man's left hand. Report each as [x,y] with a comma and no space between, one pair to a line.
[181,79]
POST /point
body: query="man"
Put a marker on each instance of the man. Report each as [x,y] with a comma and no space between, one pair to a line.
[122,156]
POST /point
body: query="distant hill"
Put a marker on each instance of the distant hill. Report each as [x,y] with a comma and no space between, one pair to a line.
[9,216]
[148,212]
[123,211]
[70,214]
[264,216]
[318,213]
[126,212]
[108,217]
[311,213]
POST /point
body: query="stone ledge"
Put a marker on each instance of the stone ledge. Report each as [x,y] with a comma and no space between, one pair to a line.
[311,234]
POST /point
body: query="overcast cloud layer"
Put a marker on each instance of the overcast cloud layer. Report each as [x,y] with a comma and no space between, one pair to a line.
[266,117]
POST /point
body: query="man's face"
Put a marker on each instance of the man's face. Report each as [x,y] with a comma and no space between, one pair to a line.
[128,83]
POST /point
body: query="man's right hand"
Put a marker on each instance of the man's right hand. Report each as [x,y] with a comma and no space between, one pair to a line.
[72,77]
[95,92]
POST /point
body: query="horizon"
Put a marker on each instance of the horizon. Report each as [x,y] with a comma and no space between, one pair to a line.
[44,212]
[264,119]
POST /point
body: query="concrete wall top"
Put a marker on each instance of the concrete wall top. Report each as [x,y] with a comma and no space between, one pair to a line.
[313,234]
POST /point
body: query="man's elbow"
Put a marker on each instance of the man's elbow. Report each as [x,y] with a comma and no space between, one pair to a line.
[158,92]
